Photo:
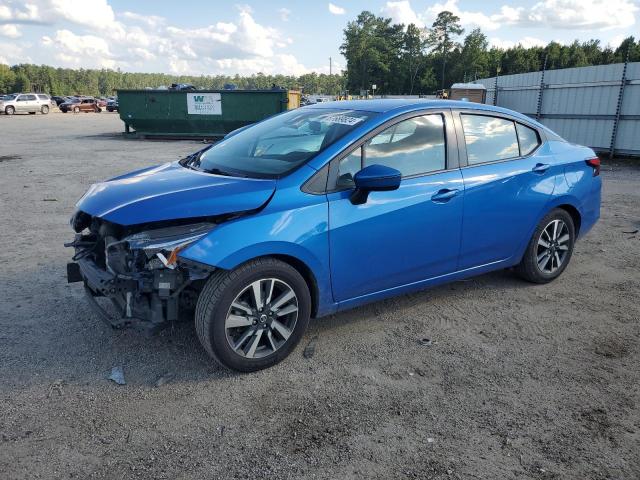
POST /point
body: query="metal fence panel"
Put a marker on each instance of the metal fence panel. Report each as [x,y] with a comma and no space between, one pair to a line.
[581,104]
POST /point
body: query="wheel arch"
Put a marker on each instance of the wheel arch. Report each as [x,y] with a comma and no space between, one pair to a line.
[311,269]
[575,215]
[308,275]
[564,203]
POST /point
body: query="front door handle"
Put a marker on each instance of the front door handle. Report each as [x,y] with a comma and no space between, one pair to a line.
[444,195]
[540,167]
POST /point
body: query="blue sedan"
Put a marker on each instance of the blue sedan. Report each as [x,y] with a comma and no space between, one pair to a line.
[325,208]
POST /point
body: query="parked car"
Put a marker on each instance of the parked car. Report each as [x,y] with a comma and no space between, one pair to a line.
[112,105]
[59,100]
[182,86]
[77,105]
[25,103]
[328,207]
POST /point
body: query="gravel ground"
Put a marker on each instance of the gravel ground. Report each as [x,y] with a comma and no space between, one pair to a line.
[519,381]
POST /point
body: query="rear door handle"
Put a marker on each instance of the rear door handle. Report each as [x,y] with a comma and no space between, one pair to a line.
[540,167]
[444,195]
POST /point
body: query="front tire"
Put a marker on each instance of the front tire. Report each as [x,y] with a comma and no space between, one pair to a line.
[549,249]
[252,317]
[10,110]
[76,109]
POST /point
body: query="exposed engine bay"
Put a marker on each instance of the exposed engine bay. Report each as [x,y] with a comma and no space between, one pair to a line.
[138,269]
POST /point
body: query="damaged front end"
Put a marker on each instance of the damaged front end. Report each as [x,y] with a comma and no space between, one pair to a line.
[138,269]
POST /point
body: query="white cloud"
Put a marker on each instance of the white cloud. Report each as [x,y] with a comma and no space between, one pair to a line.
[401,12]
[581,14]
[285,13]
[615,41]
[5,12]
[336,10]
[79,50]
[91,13]
[150,20]
[526,42]
[467,19]
[13,53]
[555,14]
[10,30]
[90,34]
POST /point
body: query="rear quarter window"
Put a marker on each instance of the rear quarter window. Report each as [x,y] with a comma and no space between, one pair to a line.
[528,139]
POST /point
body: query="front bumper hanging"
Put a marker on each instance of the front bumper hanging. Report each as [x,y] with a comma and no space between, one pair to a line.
[147,303]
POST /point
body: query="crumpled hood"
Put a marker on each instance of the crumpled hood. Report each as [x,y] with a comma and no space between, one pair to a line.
[171,191]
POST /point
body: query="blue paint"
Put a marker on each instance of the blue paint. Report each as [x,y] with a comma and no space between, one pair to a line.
[432,229]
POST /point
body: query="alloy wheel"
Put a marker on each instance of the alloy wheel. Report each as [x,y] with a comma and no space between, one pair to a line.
[261,318]
[553,246]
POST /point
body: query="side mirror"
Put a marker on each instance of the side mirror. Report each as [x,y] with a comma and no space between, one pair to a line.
[374,178]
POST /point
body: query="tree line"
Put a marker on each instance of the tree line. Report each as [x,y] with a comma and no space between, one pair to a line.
[67,81]
[401,59]
[398,59]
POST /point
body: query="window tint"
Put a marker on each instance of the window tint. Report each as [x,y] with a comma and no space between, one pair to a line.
[489,138]
[30,97]
[528,139]
[43,97]
[413,146]
[348,167]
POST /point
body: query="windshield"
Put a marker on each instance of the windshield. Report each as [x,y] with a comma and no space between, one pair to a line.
[8,97]
[279,144]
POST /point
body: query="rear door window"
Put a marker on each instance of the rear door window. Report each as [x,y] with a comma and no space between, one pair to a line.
[489,139]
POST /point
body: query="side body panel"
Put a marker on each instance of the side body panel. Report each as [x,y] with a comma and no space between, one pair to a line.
[503,202]
[396,237]
[297,224]
[578,188]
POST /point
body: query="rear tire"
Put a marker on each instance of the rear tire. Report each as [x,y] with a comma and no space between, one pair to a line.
[76,109]
[230,325]
[44,110]
[550,248]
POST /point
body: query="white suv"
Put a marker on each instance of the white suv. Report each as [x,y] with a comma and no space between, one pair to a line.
[25,102]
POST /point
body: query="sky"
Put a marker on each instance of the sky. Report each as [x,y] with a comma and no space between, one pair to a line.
[291,37]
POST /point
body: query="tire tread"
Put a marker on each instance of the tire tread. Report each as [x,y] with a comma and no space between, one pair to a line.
[527,269]
[210,298]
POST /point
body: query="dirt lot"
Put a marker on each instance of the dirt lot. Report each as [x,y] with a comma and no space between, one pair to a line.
[520,381]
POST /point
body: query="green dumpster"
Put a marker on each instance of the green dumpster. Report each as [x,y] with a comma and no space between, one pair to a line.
[206,114]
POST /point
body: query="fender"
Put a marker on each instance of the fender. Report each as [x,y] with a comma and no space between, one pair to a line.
[300,232]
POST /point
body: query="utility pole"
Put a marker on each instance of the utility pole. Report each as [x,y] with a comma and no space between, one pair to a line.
[330,65]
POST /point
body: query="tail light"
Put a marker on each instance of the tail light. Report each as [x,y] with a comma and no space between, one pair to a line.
[595,164]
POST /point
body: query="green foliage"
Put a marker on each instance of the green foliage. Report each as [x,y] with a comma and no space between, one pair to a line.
[65,81]
[444,31]
[418,61]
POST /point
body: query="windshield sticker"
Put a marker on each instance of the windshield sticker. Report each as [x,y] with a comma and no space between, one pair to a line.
[342,119]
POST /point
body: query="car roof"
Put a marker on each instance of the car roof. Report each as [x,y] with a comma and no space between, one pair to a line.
[400,105]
